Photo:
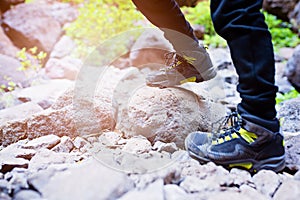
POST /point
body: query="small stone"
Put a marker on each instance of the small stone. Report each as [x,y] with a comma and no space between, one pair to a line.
[47,141]
[288,190]
[79,142]
[252,193]
[240,176]
[109,138]
[297,176]
[174,192]
[8,163]
[193,184]
[66,145]
[167,147]
[228,195]
[4,196]
[137,145]
[27,194]
[4,185]
[152,191]
[292,153]
[266,182]
[18,181]
[45,158]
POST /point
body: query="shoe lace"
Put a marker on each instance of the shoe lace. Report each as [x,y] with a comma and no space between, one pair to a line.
[173,60]
[228,125]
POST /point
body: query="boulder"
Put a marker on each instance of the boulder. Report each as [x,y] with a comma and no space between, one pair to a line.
[81,181]
[149,49]
[44,94]
[167,115]
[292,70]
[29,25]
[6,46]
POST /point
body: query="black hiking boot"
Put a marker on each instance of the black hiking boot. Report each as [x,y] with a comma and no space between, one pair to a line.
[242,144]
[181,69]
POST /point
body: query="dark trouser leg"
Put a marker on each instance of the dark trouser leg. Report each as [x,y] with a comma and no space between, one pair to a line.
[165,14]
[242,25]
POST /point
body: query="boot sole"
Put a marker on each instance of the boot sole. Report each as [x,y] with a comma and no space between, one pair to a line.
[276,164]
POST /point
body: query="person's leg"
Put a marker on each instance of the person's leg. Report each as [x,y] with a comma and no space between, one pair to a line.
[242,24]
[254,140]
[166,15]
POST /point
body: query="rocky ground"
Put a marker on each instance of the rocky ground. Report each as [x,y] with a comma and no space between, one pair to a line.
[87,132]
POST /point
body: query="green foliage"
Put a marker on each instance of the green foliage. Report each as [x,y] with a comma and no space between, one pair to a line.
[281,31]
[10,86]
[34,61]
[200,14]
[282,35]
[100,20]
[31,62]
[289,95]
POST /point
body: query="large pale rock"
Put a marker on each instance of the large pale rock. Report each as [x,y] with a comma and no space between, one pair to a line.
[292,70]
[29,25]
[81,181]
[6,46]
[44,94]
[19,112]
[9,72]
[167,115]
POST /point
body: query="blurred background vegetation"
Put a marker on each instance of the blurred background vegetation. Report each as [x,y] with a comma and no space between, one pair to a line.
[99,20]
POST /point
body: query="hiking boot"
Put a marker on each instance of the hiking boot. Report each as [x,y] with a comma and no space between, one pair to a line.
[181,69]
[241,144]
